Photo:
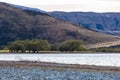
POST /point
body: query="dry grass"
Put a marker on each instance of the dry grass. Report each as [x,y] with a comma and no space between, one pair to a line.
[4,51]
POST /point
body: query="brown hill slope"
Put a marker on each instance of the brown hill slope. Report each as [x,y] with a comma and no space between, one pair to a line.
[19,24]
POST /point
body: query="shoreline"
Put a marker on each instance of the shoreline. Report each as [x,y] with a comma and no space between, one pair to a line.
[47,52]
[60,66]
[58,52]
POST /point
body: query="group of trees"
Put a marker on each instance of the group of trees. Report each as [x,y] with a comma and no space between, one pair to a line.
[70,45]
[37,45]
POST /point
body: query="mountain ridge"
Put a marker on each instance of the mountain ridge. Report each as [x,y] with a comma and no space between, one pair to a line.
[18,24]
[23,7]
[108,22]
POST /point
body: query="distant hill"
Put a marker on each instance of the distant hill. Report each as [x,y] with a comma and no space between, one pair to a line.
[19,24]
[101,22]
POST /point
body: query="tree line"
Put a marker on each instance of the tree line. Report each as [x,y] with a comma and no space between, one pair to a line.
[69,45]
[37,45]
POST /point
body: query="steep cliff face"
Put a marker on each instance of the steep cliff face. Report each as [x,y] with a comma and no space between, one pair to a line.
[102,22]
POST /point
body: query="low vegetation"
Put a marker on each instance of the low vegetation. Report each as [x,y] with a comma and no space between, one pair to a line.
[106,49]
[37,45]
[34,45]
[72,45]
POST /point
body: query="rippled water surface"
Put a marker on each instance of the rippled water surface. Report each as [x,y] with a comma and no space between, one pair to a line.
[11,73]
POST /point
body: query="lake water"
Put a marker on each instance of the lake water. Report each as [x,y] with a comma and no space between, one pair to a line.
[101,59]
[33,73]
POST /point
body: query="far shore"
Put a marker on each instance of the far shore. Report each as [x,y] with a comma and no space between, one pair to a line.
[59,66]
[7,51]
[58,52]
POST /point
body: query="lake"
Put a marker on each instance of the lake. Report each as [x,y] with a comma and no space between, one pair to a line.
[14,73]
[101,59]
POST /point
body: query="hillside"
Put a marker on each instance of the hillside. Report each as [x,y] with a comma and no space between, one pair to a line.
[101,22]
[19,24]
